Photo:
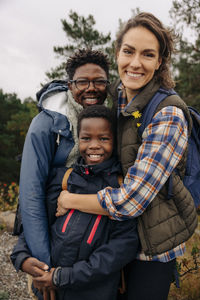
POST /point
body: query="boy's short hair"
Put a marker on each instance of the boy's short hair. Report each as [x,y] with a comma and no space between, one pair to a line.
[97,111]
[85,56]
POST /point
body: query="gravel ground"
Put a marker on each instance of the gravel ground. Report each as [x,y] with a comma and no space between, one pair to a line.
[13,285]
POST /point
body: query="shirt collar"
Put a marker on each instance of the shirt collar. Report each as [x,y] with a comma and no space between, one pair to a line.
[122,99]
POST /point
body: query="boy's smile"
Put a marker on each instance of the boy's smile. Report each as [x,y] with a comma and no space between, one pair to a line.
[95,140]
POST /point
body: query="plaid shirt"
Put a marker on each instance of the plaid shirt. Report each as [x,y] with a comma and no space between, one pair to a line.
[163,144]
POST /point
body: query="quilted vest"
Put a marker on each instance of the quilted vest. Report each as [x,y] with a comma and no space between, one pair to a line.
[166,223]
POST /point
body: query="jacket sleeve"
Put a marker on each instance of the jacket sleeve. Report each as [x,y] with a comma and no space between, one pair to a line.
[20,252]
[37,156]
[108,258]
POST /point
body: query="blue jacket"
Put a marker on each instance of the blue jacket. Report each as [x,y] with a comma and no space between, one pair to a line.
[40,155]
[91,249]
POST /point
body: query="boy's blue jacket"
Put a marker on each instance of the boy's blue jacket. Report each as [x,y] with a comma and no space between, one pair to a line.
[40,154]
[91,249]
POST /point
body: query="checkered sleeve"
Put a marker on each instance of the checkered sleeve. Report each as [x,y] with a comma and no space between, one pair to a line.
[163,144]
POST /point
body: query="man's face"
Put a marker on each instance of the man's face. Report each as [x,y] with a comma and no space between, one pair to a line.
[91,95]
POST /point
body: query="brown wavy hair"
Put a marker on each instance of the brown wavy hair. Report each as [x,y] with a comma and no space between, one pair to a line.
[165,37]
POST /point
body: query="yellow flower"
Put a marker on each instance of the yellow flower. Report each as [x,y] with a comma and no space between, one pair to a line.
[136,114]
[139,124]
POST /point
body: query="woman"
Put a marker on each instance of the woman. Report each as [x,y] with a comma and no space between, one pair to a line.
[143,52]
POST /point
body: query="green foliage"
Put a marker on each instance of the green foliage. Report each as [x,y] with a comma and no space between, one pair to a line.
[2,227]
[80,33]
[186,19]
[4,295]
[15,119]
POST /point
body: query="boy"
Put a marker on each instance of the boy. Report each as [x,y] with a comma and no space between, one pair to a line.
[88,250]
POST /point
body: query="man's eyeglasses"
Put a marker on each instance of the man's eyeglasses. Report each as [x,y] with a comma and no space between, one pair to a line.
[83,84]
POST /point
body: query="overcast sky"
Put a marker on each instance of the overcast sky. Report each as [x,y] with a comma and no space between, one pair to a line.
[30,28]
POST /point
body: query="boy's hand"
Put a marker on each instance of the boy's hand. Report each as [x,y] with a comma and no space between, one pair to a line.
[34,267]
[49,294]
[45,280]
[62,204]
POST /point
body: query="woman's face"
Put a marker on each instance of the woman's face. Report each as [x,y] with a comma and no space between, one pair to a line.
[138,59]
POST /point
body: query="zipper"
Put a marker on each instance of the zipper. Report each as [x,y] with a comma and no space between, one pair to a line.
[94,229]
[67,220]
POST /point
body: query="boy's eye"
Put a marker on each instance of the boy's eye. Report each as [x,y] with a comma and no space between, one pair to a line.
[104,139]
[85,138]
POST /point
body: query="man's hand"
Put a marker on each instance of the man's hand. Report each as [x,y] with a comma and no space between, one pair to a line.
[34,267]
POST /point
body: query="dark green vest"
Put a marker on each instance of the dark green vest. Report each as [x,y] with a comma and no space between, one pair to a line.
[166,223]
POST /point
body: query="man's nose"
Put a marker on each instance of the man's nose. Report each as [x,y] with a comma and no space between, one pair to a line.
[91,86]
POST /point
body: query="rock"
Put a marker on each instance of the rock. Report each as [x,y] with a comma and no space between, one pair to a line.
[12,284]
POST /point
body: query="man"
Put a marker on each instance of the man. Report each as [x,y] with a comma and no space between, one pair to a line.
[51,140]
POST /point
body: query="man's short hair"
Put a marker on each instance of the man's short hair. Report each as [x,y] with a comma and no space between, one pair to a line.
[97,111]
[85,56]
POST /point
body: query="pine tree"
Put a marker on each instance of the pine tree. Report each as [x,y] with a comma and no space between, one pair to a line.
[186,19]
[80,33]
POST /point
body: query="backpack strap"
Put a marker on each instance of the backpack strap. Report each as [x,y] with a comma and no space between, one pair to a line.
[152,107]
[65,178]
[120,179]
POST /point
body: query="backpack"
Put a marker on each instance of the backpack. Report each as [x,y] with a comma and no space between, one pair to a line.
[191,178]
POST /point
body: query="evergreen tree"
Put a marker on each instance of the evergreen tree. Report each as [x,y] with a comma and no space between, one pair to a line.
[186,19]
[80,33]
[15,119]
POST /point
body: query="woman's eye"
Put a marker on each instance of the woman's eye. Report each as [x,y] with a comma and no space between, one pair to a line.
[126,51]
[149,55]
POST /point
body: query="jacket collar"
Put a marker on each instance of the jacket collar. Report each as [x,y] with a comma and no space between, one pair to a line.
[107,167]
[142,98]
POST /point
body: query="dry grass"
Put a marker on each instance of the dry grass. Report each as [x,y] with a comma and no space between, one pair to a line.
[190,280]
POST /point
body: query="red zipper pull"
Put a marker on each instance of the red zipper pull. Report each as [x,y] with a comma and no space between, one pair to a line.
[86,171]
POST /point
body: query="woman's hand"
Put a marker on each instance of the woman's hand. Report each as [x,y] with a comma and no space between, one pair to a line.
[62,203]
[84,202]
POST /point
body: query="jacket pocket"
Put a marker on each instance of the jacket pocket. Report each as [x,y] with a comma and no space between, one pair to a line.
[94,229]
[67,220]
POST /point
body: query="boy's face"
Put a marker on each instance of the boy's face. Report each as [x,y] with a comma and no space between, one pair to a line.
[95,140]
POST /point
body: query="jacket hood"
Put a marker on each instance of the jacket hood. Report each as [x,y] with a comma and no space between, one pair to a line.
[53,96]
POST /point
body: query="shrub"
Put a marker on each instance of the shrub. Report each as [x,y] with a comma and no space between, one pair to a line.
[8,196]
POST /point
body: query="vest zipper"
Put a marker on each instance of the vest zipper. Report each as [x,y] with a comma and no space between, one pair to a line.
[94,229]
[67,220]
